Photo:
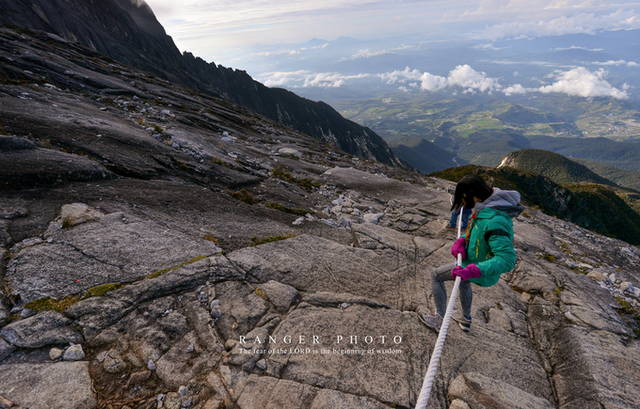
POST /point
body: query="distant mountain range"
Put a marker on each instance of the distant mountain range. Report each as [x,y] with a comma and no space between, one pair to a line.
[127,31]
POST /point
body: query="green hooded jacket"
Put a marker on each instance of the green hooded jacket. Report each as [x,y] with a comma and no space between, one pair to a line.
[490,243]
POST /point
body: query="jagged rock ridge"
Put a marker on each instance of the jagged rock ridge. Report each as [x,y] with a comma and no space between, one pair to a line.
[127,31]
[148,264]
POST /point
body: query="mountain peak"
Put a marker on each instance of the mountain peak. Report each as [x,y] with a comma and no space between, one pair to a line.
[554,166]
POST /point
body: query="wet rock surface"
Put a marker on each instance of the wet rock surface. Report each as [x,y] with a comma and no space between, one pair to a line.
[206,271]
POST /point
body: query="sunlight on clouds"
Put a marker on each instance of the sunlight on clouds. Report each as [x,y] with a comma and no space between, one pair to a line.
[583,83]
[472,80]
[462,76]
[279,79]
[584,23]
[573,47]
[279,52]
[364,54]
[617,63]
[575,82]
[306,79]
[515,89]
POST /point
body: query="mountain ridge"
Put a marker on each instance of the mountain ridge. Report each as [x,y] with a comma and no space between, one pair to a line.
[554,166]
[131,34]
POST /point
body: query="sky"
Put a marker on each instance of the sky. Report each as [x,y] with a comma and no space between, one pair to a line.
[207,27]
[229,32]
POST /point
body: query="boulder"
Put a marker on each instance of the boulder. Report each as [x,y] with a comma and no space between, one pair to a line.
[73,353]
[76,213]
[45,386]
[45,328]
[596,275]
[282,296]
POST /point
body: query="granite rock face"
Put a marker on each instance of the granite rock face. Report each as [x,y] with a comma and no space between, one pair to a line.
[44,386]
[47,328]
[205,271]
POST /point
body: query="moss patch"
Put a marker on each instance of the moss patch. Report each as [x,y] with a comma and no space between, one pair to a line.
[166,270]
[100,290]
[210,237]
[307,184]
[245,196]
[50,304]
[282,208]
[255,241]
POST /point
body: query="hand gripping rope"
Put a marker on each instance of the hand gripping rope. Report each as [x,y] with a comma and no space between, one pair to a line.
[437,350]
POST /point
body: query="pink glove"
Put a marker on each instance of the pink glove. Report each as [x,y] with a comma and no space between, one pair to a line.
[465,273]
[458,247]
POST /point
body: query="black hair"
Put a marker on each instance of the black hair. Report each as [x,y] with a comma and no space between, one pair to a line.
[468,187]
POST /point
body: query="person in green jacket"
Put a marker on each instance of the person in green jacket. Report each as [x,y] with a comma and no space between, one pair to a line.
[487,248]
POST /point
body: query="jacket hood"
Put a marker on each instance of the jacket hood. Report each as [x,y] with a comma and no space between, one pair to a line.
[506,201]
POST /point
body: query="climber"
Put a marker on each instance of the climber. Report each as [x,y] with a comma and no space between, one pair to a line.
[487,248]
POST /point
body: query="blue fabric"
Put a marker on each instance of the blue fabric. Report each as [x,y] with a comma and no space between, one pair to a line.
[453,221]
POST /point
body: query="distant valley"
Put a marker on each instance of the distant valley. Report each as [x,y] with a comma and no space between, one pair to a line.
[483,129]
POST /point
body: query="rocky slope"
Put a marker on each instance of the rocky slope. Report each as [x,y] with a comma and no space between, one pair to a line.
[127,31]
[134,273]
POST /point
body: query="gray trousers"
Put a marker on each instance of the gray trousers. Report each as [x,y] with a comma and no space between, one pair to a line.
[438,277]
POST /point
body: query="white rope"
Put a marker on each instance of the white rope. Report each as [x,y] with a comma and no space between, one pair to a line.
[427,385]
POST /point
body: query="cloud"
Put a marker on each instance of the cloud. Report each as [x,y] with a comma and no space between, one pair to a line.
[431,82]
[304,78]
[489,46]
[279,52]
[364,54]
[584,23]
[583,83]
[280,79]
[401,76]
[573,47]
[575,82]
[472,80]
[515,89]
[617,63]
[462,76]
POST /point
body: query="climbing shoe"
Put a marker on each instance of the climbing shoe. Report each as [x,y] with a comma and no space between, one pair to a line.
[433,320]
[463,322]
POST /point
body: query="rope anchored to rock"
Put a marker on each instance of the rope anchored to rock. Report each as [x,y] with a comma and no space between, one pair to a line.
[427,385]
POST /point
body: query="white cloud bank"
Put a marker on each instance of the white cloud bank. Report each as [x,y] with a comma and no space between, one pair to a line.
[364,54]
[617,63]
[307,79]
[583,83]
[462,76]
[574,82]
[584,23]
